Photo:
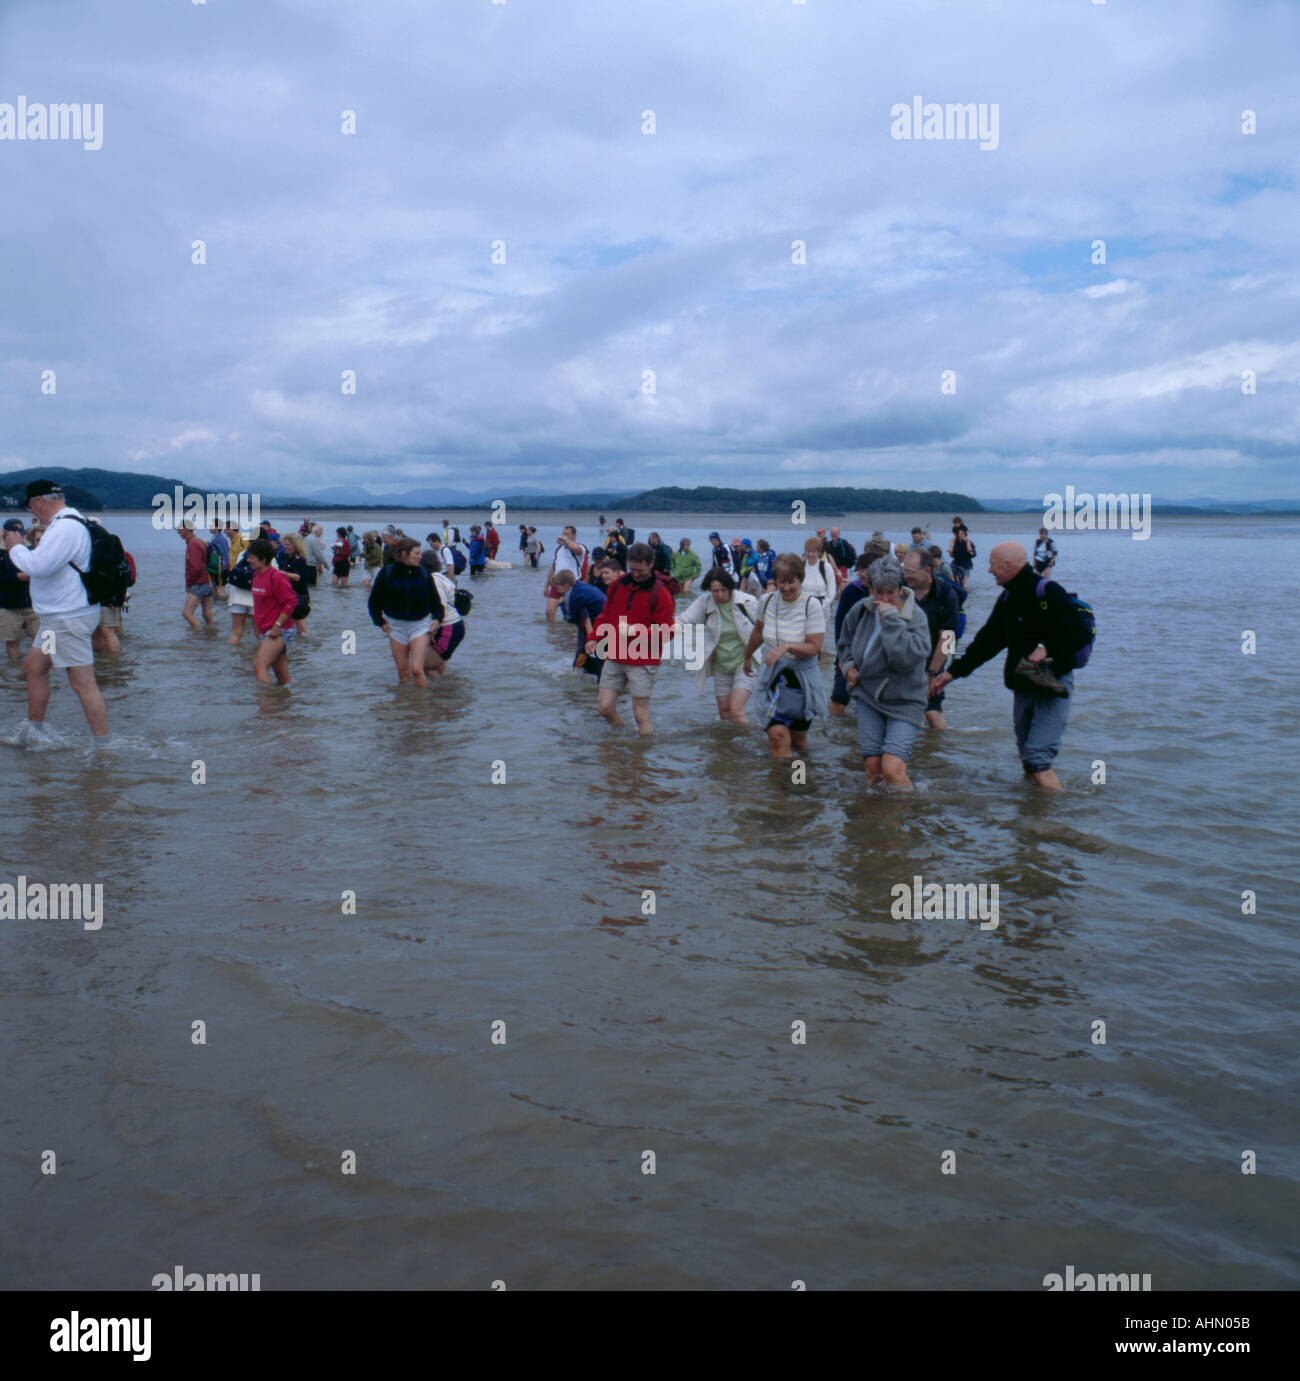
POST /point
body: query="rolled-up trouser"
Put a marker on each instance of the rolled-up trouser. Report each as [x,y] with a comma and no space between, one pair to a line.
[1040,721]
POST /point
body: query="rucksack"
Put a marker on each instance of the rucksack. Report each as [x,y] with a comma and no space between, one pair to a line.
[108,575]
[464,602]
[130,564]
[458,560]
[214,562]
[1084,616]
[241,575]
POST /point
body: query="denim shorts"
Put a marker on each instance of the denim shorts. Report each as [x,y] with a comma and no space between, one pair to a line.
[879,733]
[200,591]
[288,634]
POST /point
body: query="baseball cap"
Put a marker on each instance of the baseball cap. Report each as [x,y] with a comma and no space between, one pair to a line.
[14,525]
[41,489]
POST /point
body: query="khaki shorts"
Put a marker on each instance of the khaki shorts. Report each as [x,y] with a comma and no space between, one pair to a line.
[618,677]
[14,621]
[727,683]
[110,616]
[72,635]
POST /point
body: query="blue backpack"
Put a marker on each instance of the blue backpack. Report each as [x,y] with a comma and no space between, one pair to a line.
[1084,617]
[458,560]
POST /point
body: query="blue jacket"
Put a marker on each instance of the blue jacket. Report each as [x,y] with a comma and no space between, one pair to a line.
[478,552]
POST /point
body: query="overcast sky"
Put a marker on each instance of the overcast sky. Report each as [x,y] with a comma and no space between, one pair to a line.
[671,251]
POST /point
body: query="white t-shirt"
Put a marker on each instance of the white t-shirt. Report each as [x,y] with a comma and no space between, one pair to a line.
[815,578]
[565,560]
[791,623]
[56,588]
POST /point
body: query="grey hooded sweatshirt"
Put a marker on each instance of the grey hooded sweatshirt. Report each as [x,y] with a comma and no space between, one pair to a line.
[890,654]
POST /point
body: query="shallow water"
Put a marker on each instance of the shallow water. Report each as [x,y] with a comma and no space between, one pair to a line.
[625,1033]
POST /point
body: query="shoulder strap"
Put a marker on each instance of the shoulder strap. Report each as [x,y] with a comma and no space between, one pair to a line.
[1041,588]
[76,518]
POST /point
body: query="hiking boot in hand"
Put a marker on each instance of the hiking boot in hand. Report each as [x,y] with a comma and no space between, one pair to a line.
[1039,675]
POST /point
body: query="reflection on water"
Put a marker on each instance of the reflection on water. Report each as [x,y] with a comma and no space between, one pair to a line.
[664,1025]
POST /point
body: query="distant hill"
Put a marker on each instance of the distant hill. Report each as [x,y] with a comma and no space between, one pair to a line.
[829,501]
[95,490]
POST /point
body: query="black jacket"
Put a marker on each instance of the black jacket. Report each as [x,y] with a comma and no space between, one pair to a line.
[841,552]
[1019,621]
[404,592]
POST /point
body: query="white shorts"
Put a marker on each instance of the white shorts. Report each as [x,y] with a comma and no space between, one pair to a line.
[72,634]
[727,683]
[405,631]
[240,600]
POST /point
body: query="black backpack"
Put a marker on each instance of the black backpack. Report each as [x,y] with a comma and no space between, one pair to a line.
[108,575]
[464,602]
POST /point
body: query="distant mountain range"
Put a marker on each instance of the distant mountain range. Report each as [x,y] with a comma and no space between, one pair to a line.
[95,490]
[1159,505]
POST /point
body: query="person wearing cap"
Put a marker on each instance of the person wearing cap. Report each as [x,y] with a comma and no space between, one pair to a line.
[16,612]
[719,556]
[68,619]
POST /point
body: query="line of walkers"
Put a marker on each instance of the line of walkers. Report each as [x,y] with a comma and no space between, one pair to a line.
[894,624]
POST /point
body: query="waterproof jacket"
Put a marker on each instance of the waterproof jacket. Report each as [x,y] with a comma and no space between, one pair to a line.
[631,608]
[890,652]
[686,566]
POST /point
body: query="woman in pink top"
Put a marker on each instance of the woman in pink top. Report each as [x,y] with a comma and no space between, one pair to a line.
[274,601]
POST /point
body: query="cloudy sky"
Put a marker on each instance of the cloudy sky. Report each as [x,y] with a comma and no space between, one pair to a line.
[669,251]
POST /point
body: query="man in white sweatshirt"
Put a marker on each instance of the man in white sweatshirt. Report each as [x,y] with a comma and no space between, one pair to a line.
[68,619]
